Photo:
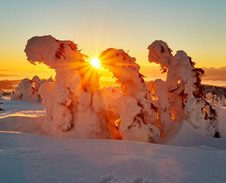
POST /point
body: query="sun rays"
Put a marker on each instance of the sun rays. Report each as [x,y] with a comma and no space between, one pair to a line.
[95,62]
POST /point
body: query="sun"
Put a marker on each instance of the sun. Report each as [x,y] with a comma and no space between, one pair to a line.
[95,62]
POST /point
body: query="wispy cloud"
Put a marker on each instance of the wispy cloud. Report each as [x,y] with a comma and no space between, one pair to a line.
[8,75]
[215,74]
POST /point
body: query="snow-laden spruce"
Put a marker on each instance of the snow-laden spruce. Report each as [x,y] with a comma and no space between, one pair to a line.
[77,107]
[69,101]
[184,90]
[142,122]
[216,100]
[28,90]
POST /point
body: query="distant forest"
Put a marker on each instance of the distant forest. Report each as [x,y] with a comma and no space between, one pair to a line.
[215,90]
[8,84]
[219,91]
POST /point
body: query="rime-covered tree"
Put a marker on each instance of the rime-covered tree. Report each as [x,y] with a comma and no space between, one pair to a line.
[184,87]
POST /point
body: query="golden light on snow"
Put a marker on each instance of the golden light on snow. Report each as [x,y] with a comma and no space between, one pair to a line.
[95,62]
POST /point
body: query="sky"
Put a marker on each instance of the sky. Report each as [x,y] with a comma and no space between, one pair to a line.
[195,26]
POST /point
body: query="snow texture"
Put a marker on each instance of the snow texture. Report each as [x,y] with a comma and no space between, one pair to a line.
[31,158]
[142,124]
[68,101]
[139,111]
[174,112]
[183,90]
[186,156]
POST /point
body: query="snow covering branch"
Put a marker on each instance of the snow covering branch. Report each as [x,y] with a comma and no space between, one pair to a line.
[183,82]
[77,107]
[126,71]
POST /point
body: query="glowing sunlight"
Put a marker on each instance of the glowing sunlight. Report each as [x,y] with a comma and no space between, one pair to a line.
[95,62]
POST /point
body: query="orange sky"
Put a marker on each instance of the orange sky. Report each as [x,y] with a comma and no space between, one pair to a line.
[95,25]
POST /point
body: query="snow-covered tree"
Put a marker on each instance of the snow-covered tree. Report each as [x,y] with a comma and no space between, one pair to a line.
[70,107]
[136,110]
[185,93]
[1,109]
[28,90]
[142,124]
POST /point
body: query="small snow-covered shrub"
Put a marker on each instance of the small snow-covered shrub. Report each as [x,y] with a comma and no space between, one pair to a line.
[29,89]
[215,94]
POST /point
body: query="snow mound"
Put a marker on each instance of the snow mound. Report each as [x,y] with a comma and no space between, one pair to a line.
[21,108]
[28,117]
[31,158]
[188,136]
[222,120]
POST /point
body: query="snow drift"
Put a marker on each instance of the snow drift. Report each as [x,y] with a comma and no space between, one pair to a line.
[77,107]
[32,158]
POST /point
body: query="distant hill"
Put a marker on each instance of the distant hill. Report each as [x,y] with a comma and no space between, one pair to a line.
[8,84]
[219,91]
[215,73]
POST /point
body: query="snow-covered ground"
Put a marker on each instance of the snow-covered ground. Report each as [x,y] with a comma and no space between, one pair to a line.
[186,156]
[20,108]
[30,158]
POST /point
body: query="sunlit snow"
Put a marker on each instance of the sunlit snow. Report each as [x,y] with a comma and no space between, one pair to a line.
[156,131]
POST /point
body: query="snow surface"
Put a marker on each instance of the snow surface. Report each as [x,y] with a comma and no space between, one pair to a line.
[20,108]
[187,156]
[222,120]
[172,113]
[30,158]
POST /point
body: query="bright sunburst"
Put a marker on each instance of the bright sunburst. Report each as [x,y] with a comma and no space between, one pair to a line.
[95,62]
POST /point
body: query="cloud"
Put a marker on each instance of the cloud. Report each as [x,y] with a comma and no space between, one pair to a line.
[7,75]
[215,74]
[4,70]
